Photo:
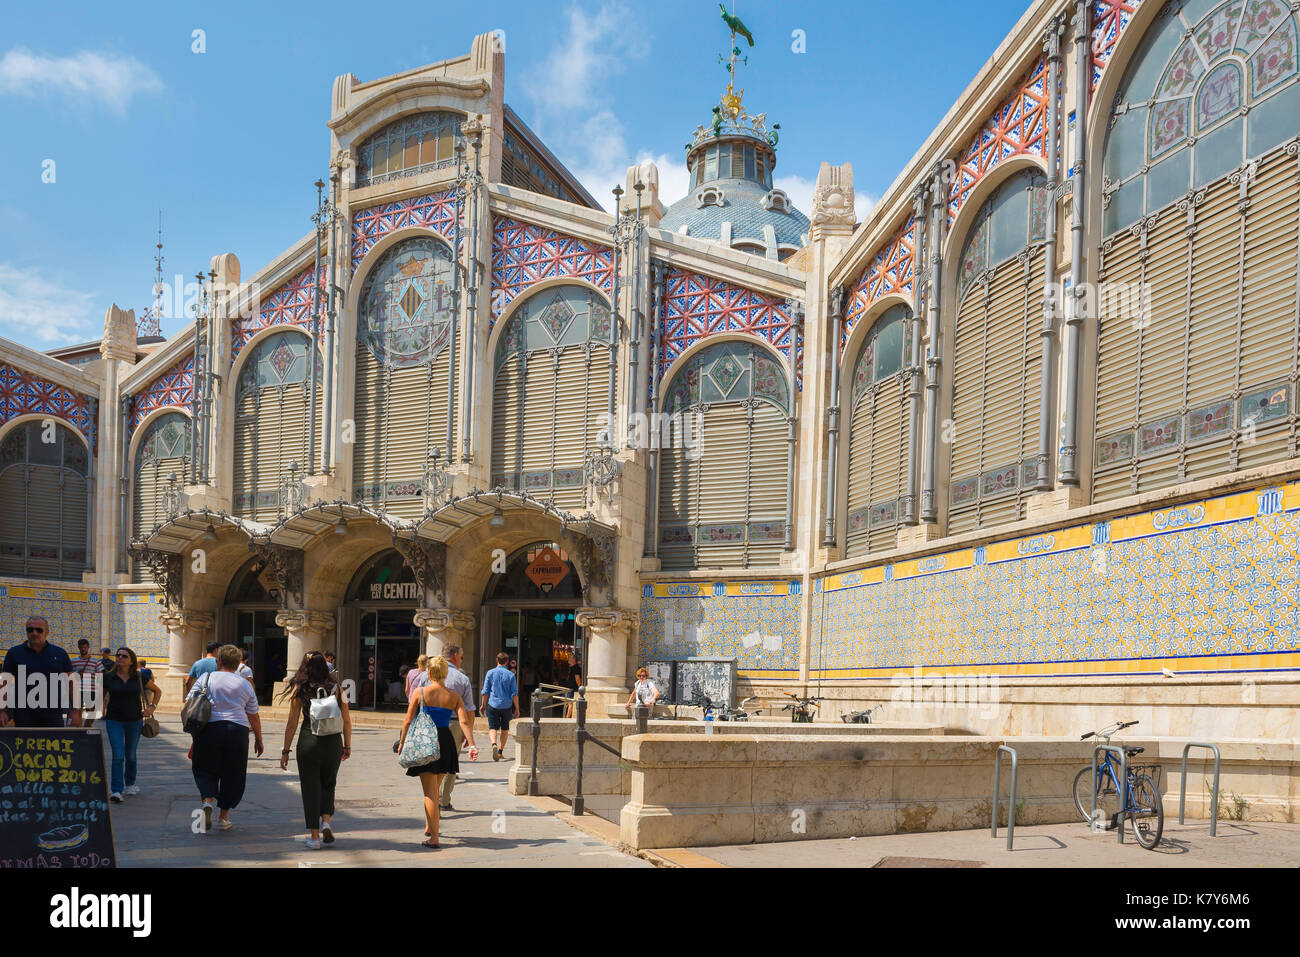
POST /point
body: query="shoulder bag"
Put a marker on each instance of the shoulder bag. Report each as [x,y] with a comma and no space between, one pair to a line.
[421,746]
[149,725]
[325,713]
[197,711]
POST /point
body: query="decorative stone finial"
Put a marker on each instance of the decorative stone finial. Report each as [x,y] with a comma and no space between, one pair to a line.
[119,335]
[833,213]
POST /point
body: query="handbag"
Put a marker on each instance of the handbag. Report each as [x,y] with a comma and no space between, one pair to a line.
[198,710]
[421,745]
[148,726]
[326,715]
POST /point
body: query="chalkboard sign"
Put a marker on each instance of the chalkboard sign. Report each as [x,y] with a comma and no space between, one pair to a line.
[54,799]
[713,677]
[661,673]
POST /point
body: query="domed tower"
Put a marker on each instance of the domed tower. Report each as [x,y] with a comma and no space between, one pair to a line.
[732,199]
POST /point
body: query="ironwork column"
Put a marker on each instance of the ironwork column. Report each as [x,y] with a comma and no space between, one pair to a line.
[474,129]
[833,414]
[656,431]
[933,361]
[314,389]
[1047,377]
[1069,469]
[920,275]
[330,317]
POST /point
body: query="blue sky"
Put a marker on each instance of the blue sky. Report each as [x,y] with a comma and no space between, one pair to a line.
[229,141]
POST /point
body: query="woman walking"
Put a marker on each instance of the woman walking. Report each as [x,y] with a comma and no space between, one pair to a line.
[221,748]
[439,704]
[125,708]
[319,756]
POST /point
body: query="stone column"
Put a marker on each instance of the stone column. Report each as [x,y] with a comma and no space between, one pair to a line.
[605,669]
[442,626]
[304,629]
[186,631]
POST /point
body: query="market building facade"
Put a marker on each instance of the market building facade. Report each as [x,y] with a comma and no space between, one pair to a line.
[1034,418]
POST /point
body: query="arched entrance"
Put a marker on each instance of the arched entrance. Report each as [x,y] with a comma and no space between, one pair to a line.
[378,636]
[248,621]
[529,612]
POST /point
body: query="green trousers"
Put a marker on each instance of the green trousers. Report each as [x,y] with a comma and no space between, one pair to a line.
[318,772]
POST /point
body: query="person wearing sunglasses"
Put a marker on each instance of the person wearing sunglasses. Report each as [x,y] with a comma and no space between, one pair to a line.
[131,696]
[39,656]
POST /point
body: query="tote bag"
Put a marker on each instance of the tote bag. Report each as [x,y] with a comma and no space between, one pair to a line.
[421,745]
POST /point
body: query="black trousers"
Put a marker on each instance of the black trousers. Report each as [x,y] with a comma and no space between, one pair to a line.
[318,772]
[221,762]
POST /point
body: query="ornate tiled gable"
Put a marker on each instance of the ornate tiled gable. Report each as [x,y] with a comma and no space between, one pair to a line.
[524,254]
[175,388]
[889,272]
[24,393]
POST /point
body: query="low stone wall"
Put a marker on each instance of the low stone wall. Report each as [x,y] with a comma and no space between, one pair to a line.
[688,790]
[603,773]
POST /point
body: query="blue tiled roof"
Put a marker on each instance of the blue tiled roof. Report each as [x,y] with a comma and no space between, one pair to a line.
[742,208]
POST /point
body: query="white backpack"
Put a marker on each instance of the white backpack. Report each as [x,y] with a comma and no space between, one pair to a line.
[326,715]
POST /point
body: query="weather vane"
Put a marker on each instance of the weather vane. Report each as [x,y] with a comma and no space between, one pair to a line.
[731,99]
[150,321]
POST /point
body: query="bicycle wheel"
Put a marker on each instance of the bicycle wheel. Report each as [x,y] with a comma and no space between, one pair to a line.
[1107,799]
[1148,814]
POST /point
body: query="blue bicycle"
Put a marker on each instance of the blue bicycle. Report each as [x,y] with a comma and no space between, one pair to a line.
[1142,801]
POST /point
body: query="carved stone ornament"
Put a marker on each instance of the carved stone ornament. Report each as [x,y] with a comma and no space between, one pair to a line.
[119,341]
[833,196]
[595,551]
[164,568]
[427,561]
[285,565]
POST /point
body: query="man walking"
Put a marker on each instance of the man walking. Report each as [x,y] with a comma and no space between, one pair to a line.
[88,669]
[38,656]
[458,682]
[205,665]
[500,700]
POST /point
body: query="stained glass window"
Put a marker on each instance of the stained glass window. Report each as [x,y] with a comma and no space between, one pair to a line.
[278,361]
[729,372]
[883,353]
[1013,219]
[411,145]
[554,318]
[1207,90]
[406,303]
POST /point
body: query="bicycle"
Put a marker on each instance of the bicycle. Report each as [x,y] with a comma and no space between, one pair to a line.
[801,709]
[1141,802]
[860,717]
[723,713]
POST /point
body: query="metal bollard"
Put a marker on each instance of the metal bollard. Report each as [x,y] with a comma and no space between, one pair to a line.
[1011,800]
[642,719]
[537,733]
[580,733]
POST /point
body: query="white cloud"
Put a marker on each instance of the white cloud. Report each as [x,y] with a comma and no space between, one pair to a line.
[42,314]
[110,80]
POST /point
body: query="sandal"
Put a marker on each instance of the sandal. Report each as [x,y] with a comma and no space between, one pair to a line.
[429,844]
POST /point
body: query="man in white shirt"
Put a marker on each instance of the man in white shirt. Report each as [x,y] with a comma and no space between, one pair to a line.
[458,682]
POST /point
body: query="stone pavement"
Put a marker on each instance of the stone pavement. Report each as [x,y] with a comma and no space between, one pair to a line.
[379,820]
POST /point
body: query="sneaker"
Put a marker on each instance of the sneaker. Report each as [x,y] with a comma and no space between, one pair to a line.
[496,753]
[132,789]
[313,844]
[224,825]
[326,834]
[115,797]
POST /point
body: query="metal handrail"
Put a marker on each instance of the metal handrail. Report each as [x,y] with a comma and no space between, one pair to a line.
[583,736]
[1214,795]
[1121,786]
[1011,798]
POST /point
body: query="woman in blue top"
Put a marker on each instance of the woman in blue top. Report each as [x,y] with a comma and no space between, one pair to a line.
[439,704]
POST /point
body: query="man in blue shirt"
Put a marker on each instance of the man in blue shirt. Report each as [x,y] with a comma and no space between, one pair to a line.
[500,700]
[38,656]
[205,665]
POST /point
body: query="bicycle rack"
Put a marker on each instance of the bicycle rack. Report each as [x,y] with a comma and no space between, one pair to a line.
[1011,798]
[1121,785]
[1214,795]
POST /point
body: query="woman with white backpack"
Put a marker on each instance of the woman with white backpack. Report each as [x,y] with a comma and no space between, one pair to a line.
[325,742]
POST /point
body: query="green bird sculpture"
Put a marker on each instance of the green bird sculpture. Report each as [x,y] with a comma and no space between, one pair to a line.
[735,25]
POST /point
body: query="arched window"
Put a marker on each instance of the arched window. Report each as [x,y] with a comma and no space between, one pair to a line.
[411,145]
[45,491]
[723,468]
[550,392]
[403,365]
[1197,293]
[997,356]
[878,435]
[164,450]
[272,419]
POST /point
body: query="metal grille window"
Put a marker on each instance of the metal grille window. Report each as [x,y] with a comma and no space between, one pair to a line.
[164,450]
[411,145]
[722,493]
[271,423]
[403,369]
[1198,302]
[993,436]
[550,392]
[877,463]
[45,491]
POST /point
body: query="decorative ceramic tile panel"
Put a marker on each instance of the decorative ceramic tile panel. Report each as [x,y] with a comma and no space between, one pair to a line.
[755,622]
[697,307]
[288,305]
[73,614]
[1205,587]
[432,210]
[174,389]
[888,272]
[133,621]
[25,393]
[1018,127]
[1110,18]
[524,254]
